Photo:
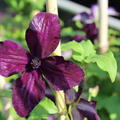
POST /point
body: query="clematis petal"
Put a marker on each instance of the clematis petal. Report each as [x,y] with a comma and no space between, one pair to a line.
[88,110]
[78,38]
[95,11]
[84,17]
[43,34]
[76,114]
[76,17]
[13,58]
[70,95]
[91,31]
[62,74]
[49,94]
[27,92]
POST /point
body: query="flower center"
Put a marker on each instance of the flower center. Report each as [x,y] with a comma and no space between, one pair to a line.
[36,63]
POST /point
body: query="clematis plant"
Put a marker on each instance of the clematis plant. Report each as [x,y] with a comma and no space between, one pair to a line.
[89,27]
[78,107]
[81,108]
[42,37]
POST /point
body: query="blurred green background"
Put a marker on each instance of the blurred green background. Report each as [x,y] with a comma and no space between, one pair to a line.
[15,16]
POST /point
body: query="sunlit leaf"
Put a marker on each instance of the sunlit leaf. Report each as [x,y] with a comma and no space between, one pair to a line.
[69,31]
[85,52]
[71,45]
[45,108]
[107,63]
[38,4]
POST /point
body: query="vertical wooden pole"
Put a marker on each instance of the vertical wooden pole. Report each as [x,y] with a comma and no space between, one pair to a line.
[51,6]
[2,82]
[103,28]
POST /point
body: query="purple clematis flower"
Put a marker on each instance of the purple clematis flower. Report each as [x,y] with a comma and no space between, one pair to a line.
[83,108]
[89,26]
[42,36]
[84,17]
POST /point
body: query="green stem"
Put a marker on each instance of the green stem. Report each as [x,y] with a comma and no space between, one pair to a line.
[70,112]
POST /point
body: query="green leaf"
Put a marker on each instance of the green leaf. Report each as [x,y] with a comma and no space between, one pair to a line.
[71,45]
[13,113]
[45,108]
[2,117]
[84,51]
[78,24]
[69,31]
[107,63]
[38,4]
[93,70]
[85,48]
[6,93]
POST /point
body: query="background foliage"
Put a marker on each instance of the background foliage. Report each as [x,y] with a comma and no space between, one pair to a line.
[14,19]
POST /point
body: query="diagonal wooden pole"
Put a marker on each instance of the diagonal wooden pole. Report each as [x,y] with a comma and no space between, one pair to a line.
[51,6]
[103,28]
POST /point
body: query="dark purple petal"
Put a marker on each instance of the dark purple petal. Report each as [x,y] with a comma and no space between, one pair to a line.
[76,17]
[27,92]
[95,10]
[43,34]
[70,95]
[88,109]
[13,58]
[111,11]
[49,94]
[62,74]
[76,114]
[80,90]
[78,38]
[84,17]
[91,31]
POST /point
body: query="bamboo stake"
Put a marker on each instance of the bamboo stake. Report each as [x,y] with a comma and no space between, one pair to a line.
[2,82]
[103,28]
[51,6]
